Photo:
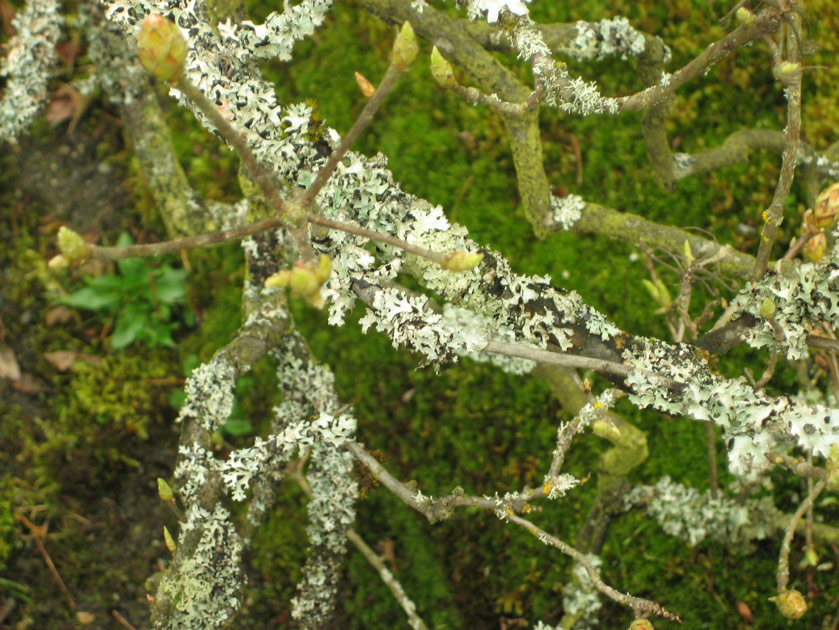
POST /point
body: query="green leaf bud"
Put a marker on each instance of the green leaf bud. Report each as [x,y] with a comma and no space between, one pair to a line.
[278,280]
[324,269]
[461,261]
[72,246]
[441,70]
[788,68]
[767,309]
[744,16]
[303,281]
[827,207]
[364,85]
[651,288]
[165,490]
[791,604]
[170,542]
[58,262]
[605,429]
[162,48]
[811,556]
[405,48]
[816,247]
[688,252]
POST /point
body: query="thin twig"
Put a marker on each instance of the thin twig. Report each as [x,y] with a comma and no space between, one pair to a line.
[149,250]
[783,559]
[373,558]
[122,620]
[641,607]
[473,96]
[774,215]
[434,509]
[235,140]
[799,467]
[765,23]
[575,361]
[438,508]
[37,533]
[364,119]
[377,236]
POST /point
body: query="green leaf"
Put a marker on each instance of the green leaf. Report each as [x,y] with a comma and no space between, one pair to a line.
[190,363]
[128,328]
[160,335]
[130,266]
[108,282]
[92,299]
[170,284]
[237,427]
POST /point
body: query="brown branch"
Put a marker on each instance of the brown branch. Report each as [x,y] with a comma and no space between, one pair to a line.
[377,236]
[765,23]
[361,123]
[641,607]
[790,73]
[235,140]
[783,558]
[797,466]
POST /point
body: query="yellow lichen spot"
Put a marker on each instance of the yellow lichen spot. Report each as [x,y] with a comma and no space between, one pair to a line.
[547,488]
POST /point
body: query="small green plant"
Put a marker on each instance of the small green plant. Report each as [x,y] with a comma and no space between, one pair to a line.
[141,300]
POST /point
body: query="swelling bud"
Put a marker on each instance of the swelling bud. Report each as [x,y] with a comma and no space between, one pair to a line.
[744,16]
[827,207]
[816,247]
[791,604]
[72,246]
[441,70]
[405,48]
[364,85]
[304,280]
[461,261]
[162,48]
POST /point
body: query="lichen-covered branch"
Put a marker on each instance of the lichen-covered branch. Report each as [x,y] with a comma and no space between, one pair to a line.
[491,77]
[789,71]
[28,63]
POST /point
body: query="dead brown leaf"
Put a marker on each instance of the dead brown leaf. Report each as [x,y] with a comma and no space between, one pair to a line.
[9,367]
[29,385]
[67,52]
[58,315]
[63,360]
[66,103]
[745,611]
[85,618]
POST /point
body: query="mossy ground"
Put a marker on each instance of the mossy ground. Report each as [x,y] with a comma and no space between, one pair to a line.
[75,451]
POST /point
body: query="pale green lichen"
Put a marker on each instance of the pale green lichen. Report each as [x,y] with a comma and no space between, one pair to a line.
[684,512]
[802,299]
[205,590]
[606,38]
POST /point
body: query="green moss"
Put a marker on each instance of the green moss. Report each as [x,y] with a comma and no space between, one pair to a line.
[117,393]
